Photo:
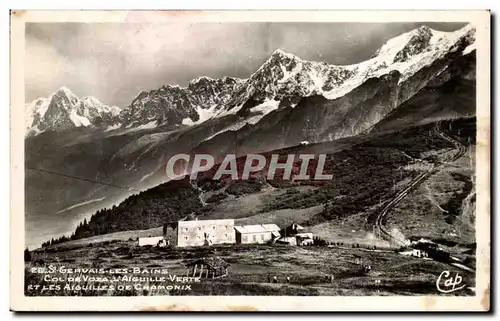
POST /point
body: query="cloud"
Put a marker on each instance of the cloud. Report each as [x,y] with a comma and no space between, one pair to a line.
[40,70]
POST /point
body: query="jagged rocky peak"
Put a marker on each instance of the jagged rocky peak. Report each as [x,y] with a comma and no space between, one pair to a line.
[202,81]
[218,84]
[285,76]
[174,105]
[206,81]
[93,109]
[420,40]
[64,91]
[63,109]
[64,96]
[279,59]
[283,56]
[401,47]
[416,44]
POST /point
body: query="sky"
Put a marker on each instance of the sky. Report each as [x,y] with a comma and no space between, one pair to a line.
[114,62]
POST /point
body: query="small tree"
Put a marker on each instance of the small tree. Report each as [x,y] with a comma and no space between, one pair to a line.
[27,255]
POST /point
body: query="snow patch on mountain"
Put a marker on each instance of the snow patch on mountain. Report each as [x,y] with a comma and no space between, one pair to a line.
[259,112]
[470,48]
[188,121]
[79,120]
[203,115]
[113,127]
[266,107]
[150,125]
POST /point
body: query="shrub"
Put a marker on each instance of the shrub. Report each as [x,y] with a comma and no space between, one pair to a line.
[216,198]
[244,187]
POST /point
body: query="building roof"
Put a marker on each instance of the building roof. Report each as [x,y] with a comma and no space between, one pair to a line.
[304,235]
[296,226]
[293,228]
[212,262]
[271,227]
[276,234]
[260,228]
[202,222]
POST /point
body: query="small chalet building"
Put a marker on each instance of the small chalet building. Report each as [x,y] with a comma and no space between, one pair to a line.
[208,267]
[257,234]
[295,235]
[304,239]
[199,233]
[292,230]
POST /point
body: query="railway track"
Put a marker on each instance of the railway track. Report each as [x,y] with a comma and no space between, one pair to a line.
[379,221]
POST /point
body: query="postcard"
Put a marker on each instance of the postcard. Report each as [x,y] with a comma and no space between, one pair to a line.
[250,160]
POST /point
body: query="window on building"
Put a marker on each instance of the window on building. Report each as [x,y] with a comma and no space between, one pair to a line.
[245,238]
[186,229]
[214,227]
[262,237]
[255,238]
[199,228]
[185,237]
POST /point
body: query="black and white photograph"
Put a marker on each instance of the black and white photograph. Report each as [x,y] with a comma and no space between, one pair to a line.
[167,154]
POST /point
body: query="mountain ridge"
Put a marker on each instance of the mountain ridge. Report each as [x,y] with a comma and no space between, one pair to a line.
[283,78]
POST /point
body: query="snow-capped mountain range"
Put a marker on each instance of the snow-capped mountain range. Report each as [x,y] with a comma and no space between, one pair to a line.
[281,82]
[189,105]
[286,78]
[63,109]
